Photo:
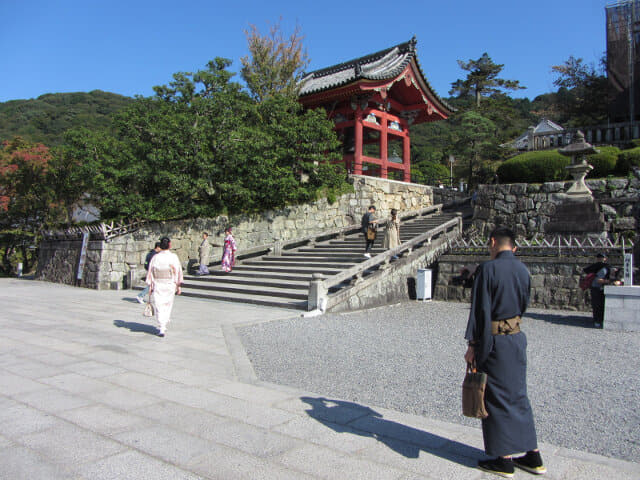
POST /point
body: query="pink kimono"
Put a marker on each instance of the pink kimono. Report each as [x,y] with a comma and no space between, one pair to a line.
[229,253]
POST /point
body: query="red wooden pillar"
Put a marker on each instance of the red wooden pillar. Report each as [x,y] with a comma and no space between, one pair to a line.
[357,155]
[406,155]
[384,157]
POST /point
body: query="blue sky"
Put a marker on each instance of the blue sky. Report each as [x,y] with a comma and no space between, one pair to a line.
[127,47]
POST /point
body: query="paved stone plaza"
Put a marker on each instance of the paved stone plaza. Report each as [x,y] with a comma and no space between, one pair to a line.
[87,391]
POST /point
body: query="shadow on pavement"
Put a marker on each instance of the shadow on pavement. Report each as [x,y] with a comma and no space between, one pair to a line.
[570,320]
[348,417]
[136,327]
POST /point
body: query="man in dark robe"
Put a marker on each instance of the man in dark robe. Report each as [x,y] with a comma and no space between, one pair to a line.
[602,271]
[498,348]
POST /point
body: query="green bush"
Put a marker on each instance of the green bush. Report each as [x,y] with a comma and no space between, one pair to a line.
[626,160]
[534,167]
[604,163]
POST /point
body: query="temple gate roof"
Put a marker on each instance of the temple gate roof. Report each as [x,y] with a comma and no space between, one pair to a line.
[377,71]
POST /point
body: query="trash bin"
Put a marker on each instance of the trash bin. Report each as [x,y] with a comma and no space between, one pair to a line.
[423,284]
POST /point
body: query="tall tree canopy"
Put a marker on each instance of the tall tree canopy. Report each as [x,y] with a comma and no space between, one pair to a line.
[275,63]
[582,92]
[482,79]
[202,146]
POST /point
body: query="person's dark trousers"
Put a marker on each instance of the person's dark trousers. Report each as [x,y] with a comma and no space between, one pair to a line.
[368,244]
[597,304]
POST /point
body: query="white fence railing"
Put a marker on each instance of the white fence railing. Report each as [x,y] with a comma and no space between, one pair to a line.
[556,245]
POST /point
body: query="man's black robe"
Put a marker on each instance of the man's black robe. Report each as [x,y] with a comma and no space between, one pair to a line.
[501,291]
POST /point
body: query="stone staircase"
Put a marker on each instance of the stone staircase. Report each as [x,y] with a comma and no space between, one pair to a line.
[281,276]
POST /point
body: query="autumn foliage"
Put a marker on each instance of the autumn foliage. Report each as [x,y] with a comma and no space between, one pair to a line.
[23,167]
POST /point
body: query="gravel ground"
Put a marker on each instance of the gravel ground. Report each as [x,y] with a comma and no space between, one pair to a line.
[583,383]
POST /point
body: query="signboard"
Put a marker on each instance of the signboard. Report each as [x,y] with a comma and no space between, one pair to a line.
[628,269]
[83,255]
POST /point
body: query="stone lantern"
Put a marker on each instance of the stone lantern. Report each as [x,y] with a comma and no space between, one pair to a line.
[576,212]
[579,167]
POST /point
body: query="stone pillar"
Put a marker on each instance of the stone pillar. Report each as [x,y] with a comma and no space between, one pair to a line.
[317,293]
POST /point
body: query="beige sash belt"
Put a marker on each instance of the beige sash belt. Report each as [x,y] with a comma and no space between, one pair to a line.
[508,326]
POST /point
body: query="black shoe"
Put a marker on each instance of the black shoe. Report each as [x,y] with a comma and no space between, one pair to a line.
[531,462]
[161,335]
[498,466]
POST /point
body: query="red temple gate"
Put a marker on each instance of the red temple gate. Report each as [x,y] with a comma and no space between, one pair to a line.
[373,100]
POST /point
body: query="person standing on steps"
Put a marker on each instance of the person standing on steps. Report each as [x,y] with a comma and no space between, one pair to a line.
[145,290]
[228,251]
[497,347]
[164,279]
[203,253]
[369,224]
[392,232]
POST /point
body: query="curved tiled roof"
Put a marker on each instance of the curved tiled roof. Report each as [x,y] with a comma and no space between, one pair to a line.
[383,65]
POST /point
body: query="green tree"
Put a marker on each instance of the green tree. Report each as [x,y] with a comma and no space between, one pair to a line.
[201,146]
[582,92]
[169,151]
[475,141]
[482,79]
[275,64]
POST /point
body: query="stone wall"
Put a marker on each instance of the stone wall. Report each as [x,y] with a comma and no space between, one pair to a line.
[58,262]
[554,280]
[448,196]
[529,207]
[108,267]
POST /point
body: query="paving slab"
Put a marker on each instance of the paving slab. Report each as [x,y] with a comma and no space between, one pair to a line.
[88,391]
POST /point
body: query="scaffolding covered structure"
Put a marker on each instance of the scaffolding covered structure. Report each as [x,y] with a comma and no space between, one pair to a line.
[623,61]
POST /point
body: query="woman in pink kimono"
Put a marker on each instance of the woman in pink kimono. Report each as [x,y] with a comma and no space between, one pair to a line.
[229,251]
[164,279]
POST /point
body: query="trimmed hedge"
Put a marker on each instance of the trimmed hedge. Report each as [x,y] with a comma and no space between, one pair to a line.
[534,167]
[626,160]
[604,163]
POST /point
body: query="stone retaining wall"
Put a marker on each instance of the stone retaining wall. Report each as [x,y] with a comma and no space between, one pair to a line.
[529,207]
[109,262]
[554,280]
[449,196]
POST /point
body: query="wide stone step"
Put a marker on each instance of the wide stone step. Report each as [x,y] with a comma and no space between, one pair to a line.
[339,249]
[295,269]
[302,264]
[241,275]
[249,290]
[316,256]
[214,281]
[243,298]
